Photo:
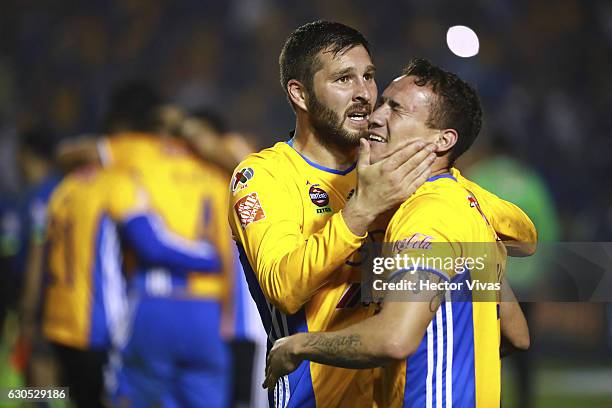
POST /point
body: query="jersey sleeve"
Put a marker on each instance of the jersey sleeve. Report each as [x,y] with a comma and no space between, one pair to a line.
[265,217]
[507,219]
[146,233]
[426,237]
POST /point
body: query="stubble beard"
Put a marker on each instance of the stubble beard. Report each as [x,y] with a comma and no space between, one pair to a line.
[328,127]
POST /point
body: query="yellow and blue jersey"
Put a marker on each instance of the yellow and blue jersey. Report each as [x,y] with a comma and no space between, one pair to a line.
[84,298]
[294,246]
[190,198]
[458,360]
[188,361]
[301,261]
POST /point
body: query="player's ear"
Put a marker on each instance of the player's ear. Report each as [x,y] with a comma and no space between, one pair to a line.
[446,140]
[297,93]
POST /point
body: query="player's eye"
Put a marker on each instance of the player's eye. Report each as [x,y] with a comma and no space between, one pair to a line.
[343,79]
[368,76]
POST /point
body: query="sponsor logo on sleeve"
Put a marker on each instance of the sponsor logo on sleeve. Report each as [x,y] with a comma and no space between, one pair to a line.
[241,178]
[249,209]
[416,241]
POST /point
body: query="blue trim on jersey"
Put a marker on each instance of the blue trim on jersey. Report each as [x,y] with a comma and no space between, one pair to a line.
[464,380]
[143,236]
[277,325]
[321,167]
[301,393]
[416,375]
[439,176]
[239,306]
[418,366]
[105,254]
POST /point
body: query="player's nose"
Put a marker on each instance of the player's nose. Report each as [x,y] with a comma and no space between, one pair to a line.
[377,118]
[363,93]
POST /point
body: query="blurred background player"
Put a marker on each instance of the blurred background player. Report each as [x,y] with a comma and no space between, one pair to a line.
[248,340]
[37,165]
[224,152]
[186,362]
[85,312]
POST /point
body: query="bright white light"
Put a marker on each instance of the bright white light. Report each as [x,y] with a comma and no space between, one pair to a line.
[462,41]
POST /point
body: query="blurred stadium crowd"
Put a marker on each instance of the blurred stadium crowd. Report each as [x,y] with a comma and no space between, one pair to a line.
[542,74]
[541,71]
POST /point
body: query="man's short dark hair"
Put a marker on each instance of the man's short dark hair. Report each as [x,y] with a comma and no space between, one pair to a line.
[132,107]
[456,105]
[212,118]
[298,59]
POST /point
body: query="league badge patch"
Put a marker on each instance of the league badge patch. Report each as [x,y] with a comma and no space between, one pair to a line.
[241,178]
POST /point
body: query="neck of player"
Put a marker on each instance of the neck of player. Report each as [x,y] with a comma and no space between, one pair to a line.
[308,144]
[440,166]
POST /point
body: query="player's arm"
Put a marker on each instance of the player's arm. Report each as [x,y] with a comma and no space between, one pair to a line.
[511,224]
[265,217]
[393,334]
[155,244]
[514,329]
[212,149]
[146,233]
[34,271]
[32,288]
[398,329]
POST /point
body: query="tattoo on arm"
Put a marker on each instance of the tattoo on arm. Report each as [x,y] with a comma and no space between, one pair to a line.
[334,345]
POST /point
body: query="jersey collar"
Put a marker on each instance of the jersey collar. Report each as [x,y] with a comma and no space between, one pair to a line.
[320,167]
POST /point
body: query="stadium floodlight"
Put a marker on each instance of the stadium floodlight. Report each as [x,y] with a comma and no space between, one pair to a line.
[462,41]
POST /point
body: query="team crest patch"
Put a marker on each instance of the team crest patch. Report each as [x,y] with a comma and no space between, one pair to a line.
[249,209]
[241,178]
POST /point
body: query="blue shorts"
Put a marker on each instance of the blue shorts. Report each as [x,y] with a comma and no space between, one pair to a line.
[174,356]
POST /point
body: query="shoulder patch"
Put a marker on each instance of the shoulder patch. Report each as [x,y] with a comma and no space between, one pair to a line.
[240,179]
[248,209]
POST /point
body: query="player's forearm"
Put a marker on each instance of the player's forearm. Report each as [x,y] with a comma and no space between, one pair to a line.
[359,346]
[513,324]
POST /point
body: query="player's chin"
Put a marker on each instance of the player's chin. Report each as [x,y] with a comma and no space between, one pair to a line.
[377,151]
[352,134]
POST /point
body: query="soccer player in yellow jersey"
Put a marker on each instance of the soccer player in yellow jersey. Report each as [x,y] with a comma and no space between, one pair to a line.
[174,351]
[439,348]
[300,210]
[85,313]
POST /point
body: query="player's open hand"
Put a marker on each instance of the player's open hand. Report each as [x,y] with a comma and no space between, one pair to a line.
[387,183]
[281,361]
